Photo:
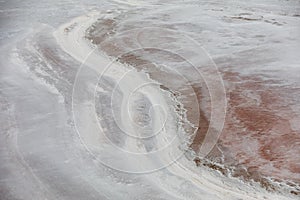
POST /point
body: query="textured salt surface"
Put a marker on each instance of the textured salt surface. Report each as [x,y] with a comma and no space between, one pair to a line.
[68,134]
[260,139]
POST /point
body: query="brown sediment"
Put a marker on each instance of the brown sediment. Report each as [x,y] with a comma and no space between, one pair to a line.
[203,122]
[295,192]
[101,30]
[257,141]
[258,134]
[180,90]
[261,120]
[246,18]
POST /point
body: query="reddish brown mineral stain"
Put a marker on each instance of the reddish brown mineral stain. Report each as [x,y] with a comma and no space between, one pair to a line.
[258,139]
[257,132]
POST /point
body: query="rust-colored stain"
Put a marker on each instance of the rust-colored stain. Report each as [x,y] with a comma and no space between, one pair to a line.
[257,141]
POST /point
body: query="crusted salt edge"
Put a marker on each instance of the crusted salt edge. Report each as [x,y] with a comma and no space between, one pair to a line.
[182,115]
[17,59]
[207,182]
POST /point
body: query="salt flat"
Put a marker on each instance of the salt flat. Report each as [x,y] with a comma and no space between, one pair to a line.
[103,100]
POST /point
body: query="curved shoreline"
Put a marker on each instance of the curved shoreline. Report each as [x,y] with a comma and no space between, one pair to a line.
[97,34]
[207,174]
[68,133]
